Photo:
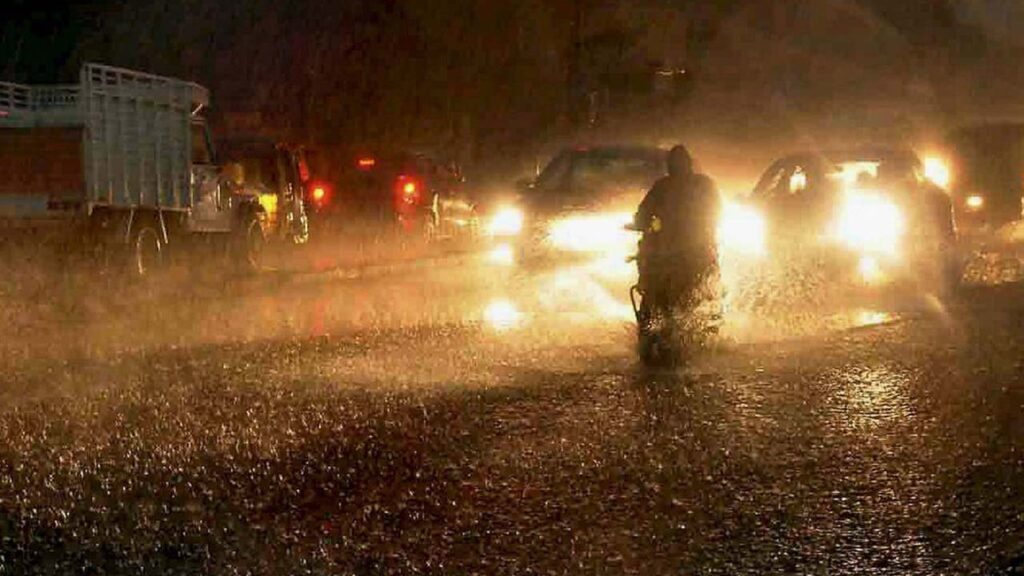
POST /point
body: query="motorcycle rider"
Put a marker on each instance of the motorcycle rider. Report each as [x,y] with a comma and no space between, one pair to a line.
[678,217]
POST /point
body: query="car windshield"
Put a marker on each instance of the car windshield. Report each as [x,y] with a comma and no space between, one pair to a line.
[594,173]
[555,173]
[872,173]
[616,170]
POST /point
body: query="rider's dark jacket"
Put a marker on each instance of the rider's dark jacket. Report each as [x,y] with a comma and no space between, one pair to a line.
[687,207]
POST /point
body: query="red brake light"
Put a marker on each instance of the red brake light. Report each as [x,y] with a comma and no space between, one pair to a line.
[319,194]
[366,163]
[407,189]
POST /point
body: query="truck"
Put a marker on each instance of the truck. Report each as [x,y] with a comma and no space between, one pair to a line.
[121,164]
[278,174]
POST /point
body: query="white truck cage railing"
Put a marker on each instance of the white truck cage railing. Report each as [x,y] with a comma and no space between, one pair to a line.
[136,132]
[101,79]
[145,87]
[15,97]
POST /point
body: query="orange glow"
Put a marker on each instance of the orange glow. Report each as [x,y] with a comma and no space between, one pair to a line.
[365,163]
[319,193]
[409,188]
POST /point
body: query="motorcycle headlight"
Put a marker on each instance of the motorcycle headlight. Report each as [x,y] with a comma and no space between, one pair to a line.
[741,229]
[870,223]
[507,221]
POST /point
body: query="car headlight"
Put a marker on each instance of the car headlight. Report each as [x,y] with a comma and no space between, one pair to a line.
[741,229]
[937,171]
[594,233]
[974,202]
[870,223]
[507,221]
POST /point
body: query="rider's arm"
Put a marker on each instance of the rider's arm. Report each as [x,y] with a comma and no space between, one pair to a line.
[648,207]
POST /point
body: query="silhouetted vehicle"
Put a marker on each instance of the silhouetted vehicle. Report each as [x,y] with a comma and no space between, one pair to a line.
[410,192]
[676,319]
[121,164]
[675,297]
[273,173]
[987,180]
[579,203]
[866,213]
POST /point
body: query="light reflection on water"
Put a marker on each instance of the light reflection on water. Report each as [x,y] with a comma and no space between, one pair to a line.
[865,318]
[867,397]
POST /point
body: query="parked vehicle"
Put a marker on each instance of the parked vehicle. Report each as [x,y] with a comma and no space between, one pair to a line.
[121,164]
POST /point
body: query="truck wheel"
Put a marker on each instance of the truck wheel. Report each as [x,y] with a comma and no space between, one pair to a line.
[250,244]
[146,251]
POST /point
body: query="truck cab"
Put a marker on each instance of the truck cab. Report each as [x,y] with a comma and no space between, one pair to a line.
[270,173]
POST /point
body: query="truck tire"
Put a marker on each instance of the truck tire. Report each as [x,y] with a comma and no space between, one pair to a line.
[250,243]
[145,250]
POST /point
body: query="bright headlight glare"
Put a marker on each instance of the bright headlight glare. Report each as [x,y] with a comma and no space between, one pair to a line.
[741,229]
[507,221]
[870,223]
[936,170]
[595,233]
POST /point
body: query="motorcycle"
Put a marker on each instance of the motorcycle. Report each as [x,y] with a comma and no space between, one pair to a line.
[676,301]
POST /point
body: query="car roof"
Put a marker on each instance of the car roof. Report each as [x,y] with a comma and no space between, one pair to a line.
[620,150]
[863,154]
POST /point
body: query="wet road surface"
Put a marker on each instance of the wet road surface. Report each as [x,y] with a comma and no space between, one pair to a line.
[457,418]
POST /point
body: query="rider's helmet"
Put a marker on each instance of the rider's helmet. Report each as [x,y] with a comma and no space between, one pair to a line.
[680,163]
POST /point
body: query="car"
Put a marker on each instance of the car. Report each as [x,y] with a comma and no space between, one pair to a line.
[866,214]
[579,204]
[410,192]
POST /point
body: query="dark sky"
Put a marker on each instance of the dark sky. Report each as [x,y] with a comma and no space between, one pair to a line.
[335,70]
[38,36]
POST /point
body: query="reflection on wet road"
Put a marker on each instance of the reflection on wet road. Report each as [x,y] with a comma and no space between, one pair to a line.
[471,417]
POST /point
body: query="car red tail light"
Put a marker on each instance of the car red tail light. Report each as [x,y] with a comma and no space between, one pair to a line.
[319,194]
[407,190]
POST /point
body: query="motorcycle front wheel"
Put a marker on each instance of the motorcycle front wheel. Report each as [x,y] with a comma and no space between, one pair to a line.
[657,344]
